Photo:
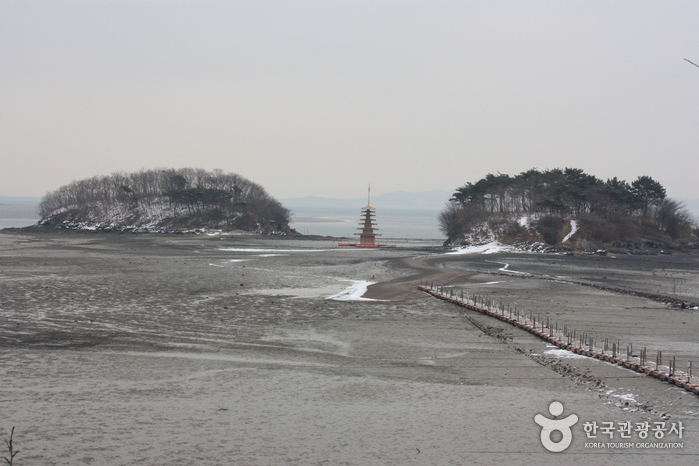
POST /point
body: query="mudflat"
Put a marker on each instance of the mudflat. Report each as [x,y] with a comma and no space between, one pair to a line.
[154,349]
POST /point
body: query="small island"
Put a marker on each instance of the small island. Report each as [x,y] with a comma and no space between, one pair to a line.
[566,209]
[164,201]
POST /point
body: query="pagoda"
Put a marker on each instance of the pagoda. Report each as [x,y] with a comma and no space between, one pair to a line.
[367,228]
[367,235]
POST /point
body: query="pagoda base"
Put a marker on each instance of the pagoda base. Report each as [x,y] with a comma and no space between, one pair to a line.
[367,245]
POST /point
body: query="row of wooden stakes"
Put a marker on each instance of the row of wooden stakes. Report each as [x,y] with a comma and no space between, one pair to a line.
[570,339]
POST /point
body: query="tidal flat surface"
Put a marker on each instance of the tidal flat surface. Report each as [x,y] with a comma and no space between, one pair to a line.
[121,349]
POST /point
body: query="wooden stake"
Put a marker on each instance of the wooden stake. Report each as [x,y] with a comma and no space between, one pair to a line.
[672,368]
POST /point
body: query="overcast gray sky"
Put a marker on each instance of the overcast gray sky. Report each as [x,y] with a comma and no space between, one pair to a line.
[322,97]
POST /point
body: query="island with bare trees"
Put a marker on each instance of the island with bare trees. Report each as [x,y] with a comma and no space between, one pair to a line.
[164,200]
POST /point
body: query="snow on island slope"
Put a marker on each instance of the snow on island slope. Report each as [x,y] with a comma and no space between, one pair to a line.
[484,240]
[573,229]
[490,248]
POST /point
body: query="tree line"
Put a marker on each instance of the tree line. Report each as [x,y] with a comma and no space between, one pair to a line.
[609,210]
[205,196]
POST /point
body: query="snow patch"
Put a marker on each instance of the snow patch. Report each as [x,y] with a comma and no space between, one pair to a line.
[506,268]
[354,292]
[561,353]
[630,397]
[490,248]
[229,260]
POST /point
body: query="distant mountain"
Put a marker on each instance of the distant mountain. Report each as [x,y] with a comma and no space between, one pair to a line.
[19,200]
[692,206]
[399,214]
[427,200]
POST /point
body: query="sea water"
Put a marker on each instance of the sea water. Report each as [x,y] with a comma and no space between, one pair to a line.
[16,212]
[323,220]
